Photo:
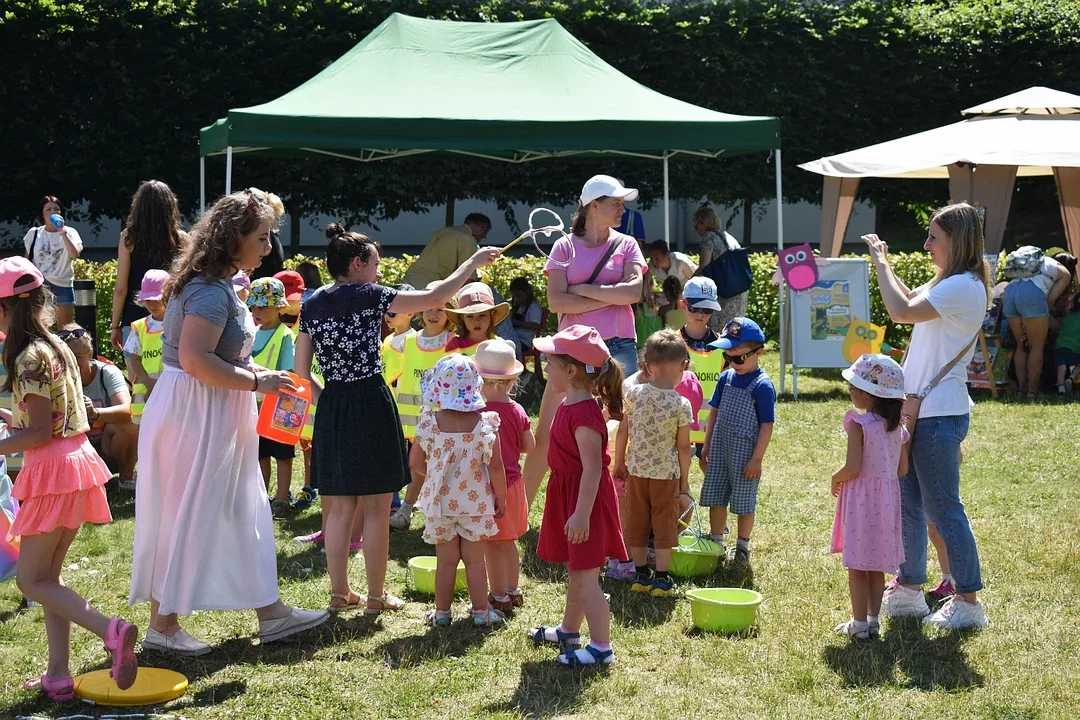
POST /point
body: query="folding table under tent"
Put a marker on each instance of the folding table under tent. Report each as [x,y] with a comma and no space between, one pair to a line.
[1029,133]
[516,92]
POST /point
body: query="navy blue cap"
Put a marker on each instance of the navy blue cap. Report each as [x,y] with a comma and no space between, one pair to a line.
[737,332]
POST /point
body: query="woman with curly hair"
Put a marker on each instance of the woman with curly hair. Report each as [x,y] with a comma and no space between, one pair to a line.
[204,539]
[151,240]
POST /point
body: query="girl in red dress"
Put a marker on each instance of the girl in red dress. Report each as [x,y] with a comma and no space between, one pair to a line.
[581,525]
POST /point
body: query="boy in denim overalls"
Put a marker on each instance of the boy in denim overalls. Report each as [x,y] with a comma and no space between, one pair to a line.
[737,434]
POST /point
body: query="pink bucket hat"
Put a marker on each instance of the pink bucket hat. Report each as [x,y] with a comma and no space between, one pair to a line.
[878,375]
[18,276]
[581,342]
[453,384]
[153,285]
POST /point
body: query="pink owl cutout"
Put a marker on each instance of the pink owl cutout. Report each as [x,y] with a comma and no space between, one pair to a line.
[798,267]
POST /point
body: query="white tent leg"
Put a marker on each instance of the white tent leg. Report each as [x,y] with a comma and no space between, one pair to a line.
[228,170]
[667,201]
[202,185]
[779,247]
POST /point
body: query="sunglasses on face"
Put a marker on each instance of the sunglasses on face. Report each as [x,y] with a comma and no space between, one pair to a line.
[69,335]
[391,314]
[702,311]
[739,359]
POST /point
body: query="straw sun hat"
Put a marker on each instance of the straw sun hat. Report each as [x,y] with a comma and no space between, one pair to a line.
[476,298]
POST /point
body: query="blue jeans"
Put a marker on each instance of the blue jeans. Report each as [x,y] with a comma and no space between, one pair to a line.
[931,490]
[625,351]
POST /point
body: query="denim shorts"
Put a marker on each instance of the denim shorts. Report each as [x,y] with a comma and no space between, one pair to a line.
[61,295]
[1024,299]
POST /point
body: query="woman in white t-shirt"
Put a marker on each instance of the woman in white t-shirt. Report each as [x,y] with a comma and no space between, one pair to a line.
[947,313]
[52,249]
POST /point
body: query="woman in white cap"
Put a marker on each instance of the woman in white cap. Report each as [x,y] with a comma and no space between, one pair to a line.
[593,278]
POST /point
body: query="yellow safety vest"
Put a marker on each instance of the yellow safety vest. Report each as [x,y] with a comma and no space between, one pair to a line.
[707,366]
[150,347]
[393,361]
[271,351]
[416,363]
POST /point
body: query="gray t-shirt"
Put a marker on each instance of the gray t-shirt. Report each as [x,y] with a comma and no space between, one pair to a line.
[216,301]
[108,381]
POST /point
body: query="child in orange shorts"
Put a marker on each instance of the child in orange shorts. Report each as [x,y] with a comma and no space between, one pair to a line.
[498,365]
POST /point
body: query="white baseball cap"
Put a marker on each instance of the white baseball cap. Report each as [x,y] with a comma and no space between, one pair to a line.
[600,186]
[700,292]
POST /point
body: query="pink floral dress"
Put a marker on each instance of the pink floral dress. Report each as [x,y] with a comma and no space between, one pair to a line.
[457,498]
[867,526]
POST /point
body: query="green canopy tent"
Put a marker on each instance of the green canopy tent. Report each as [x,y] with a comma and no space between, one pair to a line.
[517,92]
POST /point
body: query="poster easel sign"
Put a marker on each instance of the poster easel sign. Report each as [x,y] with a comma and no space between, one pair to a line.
[818,318]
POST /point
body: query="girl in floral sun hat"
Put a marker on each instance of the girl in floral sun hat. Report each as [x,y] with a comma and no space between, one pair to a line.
[867,527]
[457,450]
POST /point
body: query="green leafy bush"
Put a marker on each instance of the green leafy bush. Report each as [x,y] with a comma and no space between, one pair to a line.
[763,303]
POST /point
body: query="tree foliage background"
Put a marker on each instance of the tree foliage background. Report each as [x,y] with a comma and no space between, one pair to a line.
[98,96]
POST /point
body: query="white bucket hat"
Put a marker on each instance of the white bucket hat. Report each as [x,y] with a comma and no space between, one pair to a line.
[600,186]
[878,375]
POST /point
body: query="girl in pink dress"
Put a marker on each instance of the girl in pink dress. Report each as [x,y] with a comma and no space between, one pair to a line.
[62,483]
[867,528]
[581,524]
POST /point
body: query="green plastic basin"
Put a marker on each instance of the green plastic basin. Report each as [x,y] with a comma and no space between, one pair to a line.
[694,557]
[723,610]
[423,573]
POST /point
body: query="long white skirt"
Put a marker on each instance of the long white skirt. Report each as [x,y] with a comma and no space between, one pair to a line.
[204,537]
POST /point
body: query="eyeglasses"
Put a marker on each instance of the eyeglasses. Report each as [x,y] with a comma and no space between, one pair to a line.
[739,359]
[69,335]
[701,311]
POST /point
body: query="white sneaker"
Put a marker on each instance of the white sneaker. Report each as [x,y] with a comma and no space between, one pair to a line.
[400,520]
[900,601]
[297,621]
[851,627]
[179,644]
[958,614]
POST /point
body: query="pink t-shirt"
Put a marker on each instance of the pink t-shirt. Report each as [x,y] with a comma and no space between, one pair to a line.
[613,320]
[513,420]
[690,388]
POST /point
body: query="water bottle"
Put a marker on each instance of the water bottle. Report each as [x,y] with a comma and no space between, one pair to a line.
[57,221]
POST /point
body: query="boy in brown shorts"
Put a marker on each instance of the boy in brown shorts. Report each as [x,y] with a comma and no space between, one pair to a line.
[652,450]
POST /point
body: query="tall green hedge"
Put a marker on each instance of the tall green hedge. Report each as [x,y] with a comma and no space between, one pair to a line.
[128,83]
[763,302]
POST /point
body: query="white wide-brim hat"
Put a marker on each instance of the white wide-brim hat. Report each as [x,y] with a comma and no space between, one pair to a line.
[878,375]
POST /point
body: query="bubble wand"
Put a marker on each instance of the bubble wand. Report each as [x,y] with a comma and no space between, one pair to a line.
[547,231]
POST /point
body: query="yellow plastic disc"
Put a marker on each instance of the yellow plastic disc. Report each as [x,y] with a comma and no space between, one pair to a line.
[152,686]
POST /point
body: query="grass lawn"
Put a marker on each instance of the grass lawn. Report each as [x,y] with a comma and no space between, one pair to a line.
[1021,484]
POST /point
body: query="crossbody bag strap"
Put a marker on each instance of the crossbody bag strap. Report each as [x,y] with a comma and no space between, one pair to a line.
[603,261]
[946,369]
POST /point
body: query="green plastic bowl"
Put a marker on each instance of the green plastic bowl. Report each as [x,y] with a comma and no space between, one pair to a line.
[694,557]
[723,610]
[423,573]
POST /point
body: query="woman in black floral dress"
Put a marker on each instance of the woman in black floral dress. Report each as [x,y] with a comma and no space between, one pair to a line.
[359,452]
